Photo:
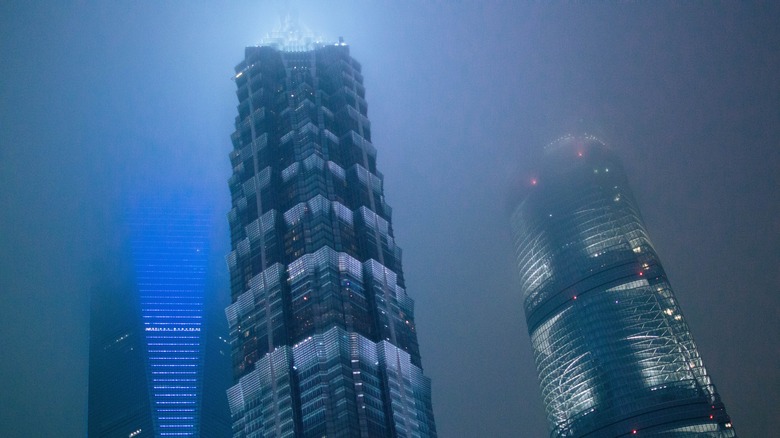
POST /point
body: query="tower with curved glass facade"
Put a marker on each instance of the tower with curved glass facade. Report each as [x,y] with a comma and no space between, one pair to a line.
[322,330]
[614,354]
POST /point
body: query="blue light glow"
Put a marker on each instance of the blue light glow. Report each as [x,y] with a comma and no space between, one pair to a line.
[170,249]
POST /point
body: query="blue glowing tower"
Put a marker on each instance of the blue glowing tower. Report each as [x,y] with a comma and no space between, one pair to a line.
[157,364]
[169,249]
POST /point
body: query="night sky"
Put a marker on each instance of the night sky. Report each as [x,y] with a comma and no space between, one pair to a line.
[101,100]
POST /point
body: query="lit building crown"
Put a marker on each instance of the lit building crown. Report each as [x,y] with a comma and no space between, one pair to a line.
[291,36]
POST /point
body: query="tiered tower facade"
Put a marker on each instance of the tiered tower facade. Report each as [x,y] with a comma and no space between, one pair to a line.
[321,327]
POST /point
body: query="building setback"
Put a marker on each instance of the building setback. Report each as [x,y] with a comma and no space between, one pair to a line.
[321,327]
[614,354]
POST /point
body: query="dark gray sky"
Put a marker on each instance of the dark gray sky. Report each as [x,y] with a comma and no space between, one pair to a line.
[99,100]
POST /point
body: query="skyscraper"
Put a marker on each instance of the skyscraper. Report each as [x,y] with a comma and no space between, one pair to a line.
[614,354]
[169,250]
[154,368]
[321,327]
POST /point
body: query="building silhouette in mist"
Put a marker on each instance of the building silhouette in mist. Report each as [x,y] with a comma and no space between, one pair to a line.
[321,327]
[118,403]
[614,354]
[157,364]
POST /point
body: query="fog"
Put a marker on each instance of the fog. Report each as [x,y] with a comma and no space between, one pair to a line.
[102,100]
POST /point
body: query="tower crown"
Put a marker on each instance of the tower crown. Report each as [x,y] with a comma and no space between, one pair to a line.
[291,36]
